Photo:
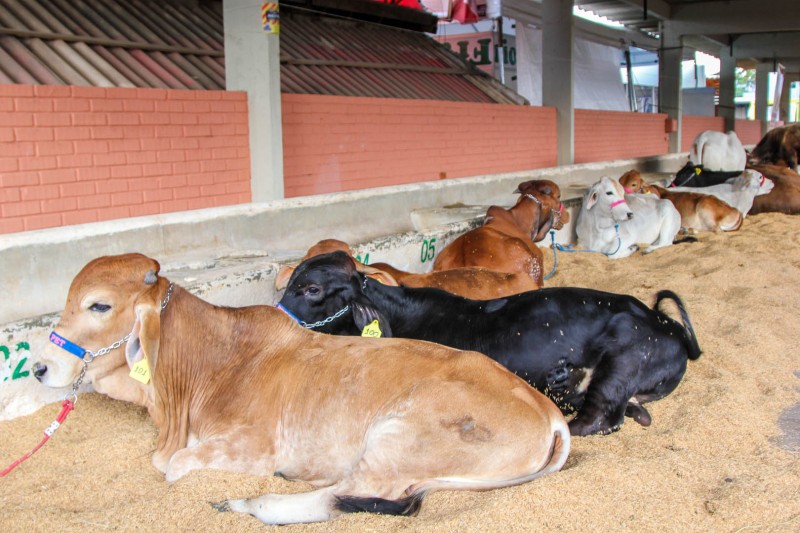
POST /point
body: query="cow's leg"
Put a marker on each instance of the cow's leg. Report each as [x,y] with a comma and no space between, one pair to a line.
[314,506]
[670,226]
[231,451]
[614,380]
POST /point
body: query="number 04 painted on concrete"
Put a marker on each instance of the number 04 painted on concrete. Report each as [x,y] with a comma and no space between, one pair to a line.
[428,250]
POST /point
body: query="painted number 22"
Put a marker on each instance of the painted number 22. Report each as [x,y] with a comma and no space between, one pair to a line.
[428,250]
[18,372]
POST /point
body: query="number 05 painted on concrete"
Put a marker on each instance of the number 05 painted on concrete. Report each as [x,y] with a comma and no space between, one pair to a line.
[428,250]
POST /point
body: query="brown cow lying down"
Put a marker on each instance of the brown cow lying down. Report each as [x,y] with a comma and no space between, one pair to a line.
[779,146]
[507,240]
[785,194]
[375,423]
[470,282]
[699,212]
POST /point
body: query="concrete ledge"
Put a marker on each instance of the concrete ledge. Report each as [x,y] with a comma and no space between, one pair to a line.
[38,266]
[230,256]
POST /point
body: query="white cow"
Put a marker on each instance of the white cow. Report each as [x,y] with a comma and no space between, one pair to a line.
[639,218]
[715,150]
[737,192]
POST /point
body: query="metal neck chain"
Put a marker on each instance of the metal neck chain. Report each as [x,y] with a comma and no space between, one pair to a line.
[555,216]
[90,355]
[328,320]
[334,316]
[538,214]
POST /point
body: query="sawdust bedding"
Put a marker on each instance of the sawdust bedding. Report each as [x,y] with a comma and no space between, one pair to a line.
[714,459]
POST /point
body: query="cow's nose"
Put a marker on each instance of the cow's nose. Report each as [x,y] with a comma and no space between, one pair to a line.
[38,370]
[630,215]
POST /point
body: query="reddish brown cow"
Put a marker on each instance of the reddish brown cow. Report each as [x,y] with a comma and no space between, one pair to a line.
[785,194]
[699,212]
[507,240]
[470,282]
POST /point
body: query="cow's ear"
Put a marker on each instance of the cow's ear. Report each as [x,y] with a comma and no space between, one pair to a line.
[141,351]
[377,274]
[591,200]
[368,320]
[283,276]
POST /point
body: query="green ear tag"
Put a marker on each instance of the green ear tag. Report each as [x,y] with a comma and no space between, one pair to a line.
[697,171]
[372,329]
[141,372]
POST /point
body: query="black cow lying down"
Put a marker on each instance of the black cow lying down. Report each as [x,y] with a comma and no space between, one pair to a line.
[692,175]
[598,354]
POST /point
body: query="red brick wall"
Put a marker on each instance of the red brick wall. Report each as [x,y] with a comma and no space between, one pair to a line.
[70,155]
[749,131]
[692,126]
[607,135]
[334,143]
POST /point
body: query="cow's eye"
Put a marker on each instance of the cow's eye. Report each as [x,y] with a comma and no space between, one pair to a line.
[312,290]
[99,308]
[609,193]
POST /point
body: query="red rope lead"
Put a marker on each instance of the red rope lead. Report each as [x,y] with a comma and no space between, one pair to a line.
[69,405]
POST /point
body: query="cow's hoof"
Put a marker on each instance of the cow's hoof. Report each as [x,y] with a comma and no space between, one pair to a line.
[581,428]
[222,507]
[638,413]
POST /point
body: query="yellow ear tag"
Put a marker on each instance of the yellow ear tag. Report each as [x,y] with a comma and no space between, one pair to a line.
[697,171]
[141,372]
[372,329]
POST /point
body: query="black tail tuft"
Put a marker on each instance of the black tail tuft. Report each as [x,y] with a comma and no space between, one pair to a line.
[685,240]
[404,507]
[693,348]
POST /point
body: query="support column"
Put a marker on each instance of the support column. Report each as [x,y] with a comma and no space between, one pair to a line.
[252,64]
[670,79]
[783,105]
[727,88]
[762,95]
[557,79]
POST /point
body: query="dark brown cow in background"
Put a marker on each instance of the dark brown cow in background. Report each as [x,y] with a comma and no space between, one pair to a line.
[780,146]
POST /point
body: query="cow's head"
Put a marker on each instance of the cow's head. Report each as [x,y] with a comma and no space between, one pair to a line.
[110,298]
[633,183]
[548,194]
[326,293]
[685,175]
[327,246]
[608,195]
[752,180]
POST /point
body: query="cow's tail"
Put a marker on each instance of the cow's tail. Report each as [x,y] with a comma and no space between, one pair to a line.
[690,339]
[408,506]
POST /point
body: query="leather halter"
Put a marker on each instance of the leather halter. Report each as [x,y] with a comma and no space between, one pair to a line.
[555,216]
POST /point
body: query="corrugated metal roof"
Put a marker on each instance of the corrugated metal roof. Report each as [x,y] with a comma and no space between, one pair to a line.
[180,45]
[106,43]
[332,55]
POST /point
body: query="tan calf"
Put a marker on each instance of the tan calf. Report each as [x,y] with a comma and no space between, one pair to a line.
[375,423]
[699,212]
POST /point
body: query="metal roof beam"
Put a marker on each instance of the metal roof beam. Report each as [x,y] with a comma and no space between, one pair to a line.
[655,8]
[767,45]
[530,12]
[735,16]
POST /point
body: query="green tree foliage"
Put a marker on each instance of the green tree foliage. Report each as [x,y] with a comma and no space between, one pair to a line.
[745,81]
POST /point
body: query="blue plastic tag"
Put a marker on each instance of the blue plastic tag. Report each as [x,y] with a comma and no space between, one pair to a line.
[69,346]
